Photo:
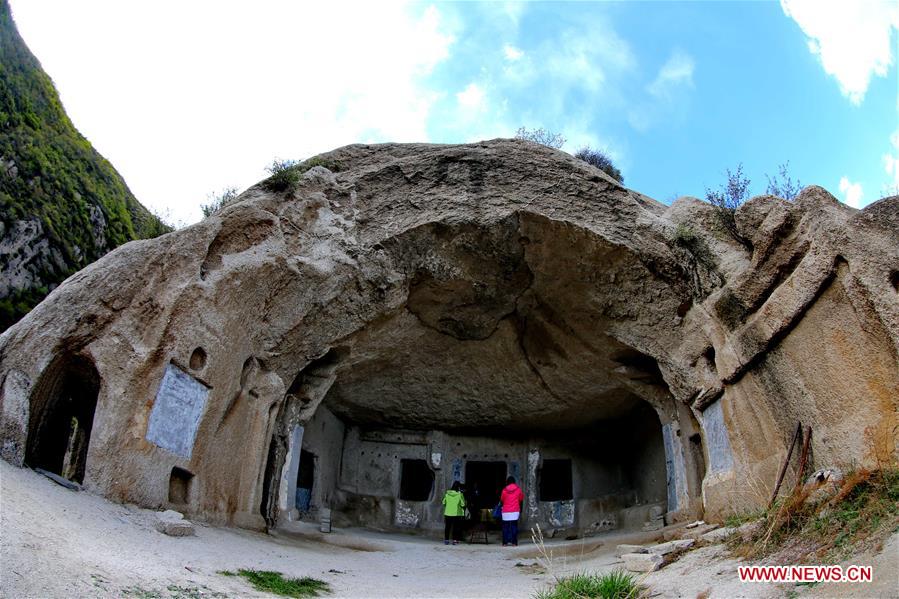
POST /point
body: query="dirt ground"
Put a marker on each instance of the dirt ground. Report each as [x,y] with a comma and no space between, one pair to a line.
[60,543]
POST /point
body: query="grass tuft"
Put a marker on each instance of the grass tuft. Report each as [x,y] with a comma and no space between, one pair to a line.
[285,174]
[612,585]
[274,582]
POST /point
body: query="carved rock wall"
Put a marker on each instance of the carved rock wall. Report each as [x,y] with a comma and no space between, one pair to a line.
[499,286]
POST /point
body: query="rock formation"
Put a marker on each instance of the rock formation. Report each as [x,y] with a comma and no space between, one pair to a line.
[62,205]
[408,315]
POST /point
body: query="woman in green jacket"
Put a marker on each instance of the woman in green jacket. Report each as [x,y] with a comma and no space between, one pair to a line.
[453,514]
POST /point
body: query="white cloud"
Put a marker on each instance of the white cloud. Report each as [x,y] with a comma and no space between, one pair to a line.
[668,98]
[189,97]
[675,74]
[891,166]
[472,97]
[852,192]
[587,59]
[850,38]
[512,53]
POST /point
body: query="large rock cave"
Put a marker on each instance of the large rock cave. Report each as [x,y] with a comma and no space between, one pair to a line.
[413,315]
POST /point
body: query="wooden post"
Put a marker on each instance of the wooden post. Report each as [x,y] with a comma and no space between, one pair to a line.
[783,469]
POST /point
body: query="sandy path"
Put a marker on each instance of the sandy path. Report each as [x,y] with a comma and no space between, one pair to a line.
[59,543]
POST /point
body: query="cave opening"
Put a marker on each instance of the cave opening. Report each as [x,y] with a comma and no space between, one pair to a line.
[305,481]
[416,480]
[500,363]
[62,417]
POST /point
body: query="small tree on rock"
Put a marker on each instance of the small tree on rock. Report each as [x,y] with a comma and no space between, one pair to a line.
[726,199]
[284,175]
[218,201]
[781,185]
[600,160]
[541,136]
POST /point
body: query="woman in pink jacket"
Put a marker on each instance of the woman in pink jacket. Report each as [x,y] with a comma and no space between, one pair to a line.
[511,499]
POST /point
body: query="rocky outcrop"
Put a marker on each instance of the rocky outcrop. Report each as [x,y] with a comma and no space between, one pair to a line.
[62,205]
[495,288]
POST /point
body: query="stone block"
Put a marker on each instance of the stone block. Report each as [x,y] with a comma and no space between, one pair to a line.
[671,546]
[642,562]
[172,523]
[622,549]
[693,533]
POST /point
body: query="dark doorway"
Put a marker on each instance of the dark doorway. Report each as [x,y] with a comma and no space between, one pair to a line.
[62,416]
[483,483]
[416,480]
[555,480]
[179,486]
[305,480]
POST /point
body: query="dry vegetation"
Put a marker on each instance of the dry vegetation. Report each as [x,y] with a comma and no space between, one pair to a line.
[797,529]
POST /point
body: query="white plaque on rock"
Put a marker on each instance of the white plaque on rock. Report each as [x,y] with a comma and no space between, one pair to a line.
[176,412]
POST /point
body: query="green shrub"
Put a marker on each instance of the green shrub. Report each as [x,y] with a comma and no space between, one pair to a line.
[600,160]
[285,174]
[612,585]
[218,201]
[274,582]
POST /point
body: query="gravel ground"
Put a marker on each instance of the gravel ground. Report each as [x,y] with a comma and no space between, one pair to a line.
[60,543]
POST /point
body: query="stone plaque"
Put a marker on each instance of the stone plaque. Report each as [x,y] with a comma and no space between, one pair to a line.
[721,457]
[176,412]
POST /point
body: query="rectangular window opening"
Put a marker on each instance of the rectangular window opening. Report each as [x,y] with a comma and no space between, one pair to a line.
[179,485]
[555,481]
[416,480]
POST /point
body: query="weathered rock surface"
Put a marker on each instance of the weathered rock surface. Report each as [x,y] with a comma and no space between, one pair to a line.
[689,533]
[642,562]
[499,286]
[719,535]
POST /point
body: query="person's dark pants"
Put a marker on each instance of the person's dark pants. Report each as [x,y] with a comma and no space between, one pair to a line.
[452,526]
[510,532]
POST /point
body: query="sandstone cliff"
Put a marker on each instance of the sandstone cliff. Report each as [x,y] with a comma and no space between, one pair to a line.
[500,287]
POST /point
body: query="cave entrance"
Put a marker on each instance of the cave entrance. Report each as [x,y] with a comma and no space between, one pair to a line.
[483,483]
[526,347]
[305,481]
[416,480]
[62,416]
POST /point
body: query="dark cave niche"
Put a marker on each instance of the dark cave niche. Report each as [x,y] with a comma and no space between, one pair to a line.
[62,417]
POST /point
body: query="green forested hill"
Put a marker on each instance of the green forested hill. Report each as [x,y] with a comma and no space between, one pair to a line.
[62,205]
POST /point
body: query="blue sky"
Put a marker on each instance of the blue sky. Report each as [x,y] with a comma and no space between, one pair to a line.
[188,98]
